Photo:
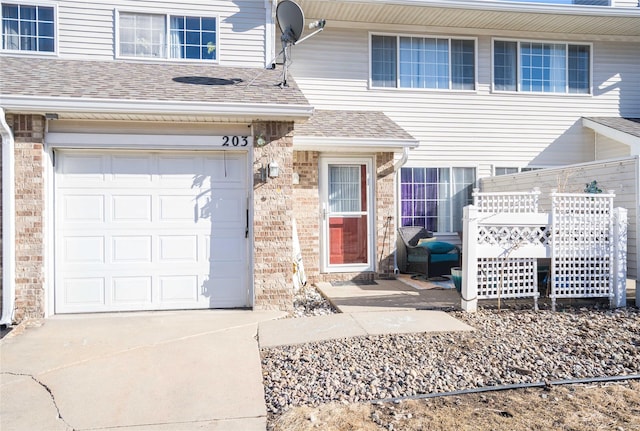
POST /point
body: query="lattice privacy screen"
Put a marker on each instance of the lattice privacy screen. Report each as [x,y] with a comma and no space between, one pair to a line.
[582,253]
[506,277]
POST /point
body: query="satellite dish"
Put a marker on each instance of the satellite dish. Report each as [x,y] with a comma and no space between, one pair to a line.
[291,20]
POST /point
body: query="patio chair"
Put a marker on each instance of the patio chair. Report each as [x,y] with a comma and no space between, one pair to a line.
[431,258]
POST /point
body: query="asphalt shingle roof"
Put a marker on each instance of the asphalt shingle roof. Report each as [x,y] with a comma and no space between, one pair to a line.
[125,80]
[626,125]
[351,124]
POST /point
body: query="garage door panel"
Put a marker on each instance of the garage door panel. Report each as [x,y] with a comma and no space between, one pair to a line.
[84,208]
[84,291]
[175,208]
[131,249]
[83,167]
[227,171]
[179,288]
[131,207]
[133,231]
[84,249]
[220,296]
[132,168]
[224,249]
[226,206]
[127,290]
[183,248]
[179,167]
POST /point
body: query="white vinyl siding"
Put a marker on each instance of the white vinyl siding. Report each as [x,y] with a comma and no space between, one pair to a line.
[87,29]
[607,148]
[481,128]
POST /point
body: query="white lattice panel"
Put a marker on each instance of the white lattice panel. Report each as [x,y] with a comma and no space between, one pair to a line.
[507,278]
[511,237]
[581,263]
[507,202]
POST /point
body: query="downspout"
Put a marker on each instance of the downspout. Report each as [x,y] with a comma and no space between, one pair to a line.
[8,222]
[396,170]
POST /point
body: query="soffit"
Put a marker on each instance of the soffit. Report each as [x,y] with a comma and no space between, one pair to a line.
[487,15]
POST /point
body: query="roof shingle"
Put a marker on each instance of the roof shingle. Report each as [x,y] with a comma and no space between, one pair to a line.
[127,80]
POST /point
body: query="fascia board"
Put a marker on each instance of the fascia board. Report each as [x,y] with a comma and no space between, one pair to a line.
[501,6]
[92,105]
[342,144]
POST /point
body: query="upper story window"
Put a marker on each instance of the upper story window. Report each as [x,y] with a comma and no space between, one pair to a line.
[28,27]
[541,67]
[167,36]
[422,62]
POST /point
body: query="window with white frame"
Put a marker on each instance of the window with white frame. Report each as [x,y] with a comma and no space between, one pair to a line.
[422,62]
[167,36]
[541,67]
[28,27]
[434,198]
[501,170]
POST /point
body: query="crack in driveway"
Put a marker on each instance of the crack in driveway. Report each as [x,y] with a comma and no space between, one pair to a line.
[49,391]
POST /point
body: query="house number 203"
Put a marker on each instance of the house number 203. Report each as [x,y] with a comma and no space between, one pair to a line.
[235,141]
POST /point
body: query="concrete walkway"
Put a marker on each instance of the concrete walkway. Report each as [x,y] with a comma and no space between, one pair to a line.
[187,370]
[386,307]
[182,370]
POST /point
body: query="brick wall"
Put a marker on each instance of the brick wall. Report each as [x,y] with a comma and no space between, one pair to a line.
[28,132]
[273,211]
[307,213]
[385,220]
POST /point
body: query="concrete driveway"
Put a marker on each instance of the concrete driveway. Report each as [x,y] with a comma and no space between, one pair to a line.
[187,370]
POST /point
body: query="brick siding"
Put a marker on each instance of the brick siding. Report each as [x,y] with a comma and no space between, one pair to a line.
[272,213]
[28,132]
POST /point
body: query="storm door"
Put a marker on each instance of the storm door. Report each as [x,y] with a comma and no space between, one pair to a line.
[346,215]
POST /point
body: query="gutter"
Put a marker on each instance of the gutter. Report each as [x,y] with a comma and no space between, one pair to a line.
[41,104]
[396,170]
[8,222]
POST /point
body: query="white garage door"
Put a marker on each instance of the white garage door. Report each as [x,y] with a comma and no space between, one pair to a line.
[150,231]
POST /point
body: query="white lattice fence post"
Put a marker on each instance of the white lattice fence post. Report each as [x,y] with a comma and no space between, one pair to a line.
[619,264]
[469,289]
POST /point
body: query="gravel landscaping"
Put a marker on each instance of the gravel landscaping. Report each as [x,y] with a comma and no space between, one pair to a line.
[509,346]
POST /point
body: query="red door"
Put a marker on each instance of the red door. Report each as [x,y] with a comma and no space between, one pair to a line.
[347,214]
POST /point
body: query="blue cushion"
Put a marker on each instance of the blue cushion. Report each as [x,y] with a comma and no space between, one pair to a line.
[438,247]
[444,257]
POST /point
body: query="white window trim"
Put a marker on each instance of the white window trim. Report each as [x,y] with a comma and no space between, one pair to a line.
[325,266]
[50,4]
[167,19]
[448,37]
[540,93]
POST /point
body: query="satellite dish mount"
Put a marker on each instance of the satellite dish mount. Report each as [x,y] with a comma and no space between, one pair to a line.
[291,23]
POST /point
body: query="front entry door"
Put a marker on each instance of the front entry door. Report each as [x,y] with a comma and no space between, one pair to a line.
[346,215]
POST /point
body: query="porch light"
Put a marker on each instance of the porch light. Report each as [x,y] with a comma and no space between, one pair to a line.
[274,169]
